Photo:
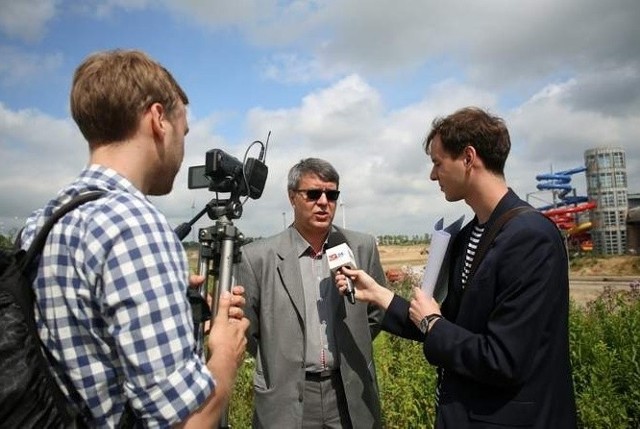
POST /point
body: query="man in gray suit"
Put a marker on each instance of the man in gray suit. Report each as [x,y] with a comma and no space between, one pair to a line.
[313,349]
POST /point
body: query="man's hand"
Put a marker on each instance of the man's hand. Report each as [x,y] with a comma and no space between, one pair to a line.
[236,311]
[421,305]
[195,280]
[227,334]
[366,288]
[227,342]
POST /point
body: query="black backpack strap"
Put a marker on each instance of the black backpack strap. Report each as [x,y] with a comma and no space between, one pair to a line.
[18,241]
[40,239]
[34,250]
[487,238]
[128,419]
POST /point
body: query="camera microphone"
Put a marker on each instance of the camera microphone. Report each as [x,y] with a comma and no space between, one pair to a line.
[339,255]
[255,177]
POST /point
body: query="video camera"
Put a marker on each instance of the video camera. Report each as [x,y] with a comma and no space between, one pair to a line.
[225,173]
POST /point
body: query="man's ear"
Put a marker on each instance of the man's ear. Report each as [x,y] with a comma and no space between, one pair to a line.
[469,155]
[158,116]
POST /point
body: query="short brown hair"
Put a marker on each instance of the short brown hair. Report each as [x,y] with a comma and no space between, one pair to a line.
[112,89]
[472,126]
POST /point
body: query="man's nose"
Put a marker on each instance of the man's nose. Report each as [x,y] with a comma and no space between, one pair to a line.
[323,199]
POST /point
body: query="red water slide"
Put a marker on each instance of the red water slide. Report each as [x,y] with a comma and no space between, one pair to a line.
[565,218]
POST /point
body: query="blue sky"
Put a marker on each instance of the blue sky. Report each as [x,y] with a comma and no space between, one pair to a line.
[355,82]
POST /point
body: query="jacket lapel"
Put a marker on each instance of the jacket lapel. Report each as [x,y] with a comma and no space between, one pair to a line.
[289,271]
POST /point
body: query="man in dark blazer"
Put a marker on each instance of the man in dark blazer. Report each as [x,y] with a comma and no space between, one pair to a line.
[313,349]
[500,339]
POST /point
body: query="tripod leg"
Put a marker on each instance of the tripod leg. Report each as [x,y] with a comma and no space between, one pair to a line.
[224,284]
[204,264]
[218,245]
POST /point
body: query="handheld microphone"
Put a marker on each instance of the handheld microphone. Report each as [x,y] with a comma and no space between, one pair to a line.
[339,255]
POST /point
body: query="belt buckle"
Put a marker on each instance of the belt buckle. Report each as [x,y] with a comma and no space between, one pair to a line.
[318,376]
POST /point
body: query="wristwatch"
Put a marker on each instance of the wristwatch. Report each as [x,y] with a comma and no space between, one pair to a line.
[424,325]
[426,320]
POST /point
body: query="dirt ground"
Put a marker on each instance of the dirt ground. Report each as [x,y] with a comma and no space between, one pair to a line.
[584,272]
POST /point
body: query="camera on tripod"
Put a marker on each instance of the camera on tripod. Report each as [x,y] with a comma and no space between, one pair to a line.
[220,244]
[225,173]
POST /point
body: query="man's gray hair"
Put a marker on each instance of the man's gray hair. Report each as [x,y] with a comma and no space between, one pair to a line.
[317,166]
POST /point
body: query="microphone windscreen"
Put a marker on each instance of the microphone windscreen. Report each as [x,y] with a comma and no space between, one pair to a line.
[335,238]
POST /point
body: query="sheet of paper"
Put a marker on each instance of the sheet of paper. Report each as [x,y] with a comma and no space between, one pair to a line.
[440,240]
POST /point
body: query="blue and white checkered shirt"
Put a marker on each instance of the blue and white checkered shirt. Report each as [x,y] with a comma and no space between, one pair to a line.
[112,308]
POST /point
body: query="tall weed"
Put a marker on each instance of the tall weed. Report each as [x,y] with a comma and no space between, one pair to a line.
[605,343]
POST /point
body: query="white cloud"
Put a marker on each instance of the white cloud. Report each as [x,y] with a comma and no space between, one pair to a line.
[293,68]
[221,13]
[552,129]
[19,67]
[106,8]
[39,154]
[26,19]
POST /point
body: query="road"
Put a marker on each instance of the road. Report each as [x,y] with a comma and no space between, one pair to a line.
[587,288]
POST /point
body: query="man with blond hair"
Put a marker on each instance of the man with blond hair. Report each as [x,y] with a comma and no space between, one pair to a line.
[111,289]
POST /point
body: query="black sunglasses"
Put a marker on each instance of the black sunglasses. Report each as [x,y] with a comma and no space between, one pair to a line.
[315,194]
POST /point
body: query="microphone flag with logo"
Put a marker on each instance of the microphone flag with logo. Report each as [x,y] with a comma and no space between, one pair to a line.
[339,255]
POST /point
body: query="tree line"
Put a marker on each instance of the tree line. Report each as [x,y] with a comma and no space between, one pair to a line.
[403,240]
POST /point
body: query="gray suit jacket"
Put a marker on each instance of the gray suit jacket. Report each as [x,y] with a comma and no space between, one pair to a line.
[270,273]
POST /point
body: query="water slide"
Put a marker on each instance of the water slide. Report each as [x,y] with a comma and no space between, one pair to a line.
[565,219]
[564,212]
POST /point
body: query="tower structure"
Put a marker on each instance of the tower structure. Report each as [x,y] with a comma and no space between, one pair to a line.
[606,176]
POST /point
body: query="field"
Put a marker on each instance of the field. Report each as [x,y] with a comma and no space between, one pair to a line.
[588,275]
[401,256]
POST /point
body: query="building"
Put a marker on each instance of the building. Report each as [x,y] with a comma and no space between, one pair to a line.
[633,224]
[606,176]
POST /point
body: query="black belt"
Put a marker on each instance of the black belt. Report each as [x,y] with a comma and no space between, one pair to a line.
[322,375]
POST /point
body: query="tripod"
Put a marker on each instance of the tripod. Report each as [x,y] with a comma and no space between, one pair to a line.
[219,250]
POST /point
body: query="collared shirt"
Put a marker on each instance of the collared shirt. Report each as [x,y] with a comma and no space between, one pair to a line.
[321,299]
[111,306]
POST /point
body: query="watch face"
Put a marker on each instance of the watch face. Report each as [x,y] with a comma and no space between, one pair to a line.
[424,324]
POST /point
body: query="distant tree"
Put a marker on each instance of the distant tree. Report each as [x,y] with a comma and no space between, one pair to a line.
[402,240]
[5,242]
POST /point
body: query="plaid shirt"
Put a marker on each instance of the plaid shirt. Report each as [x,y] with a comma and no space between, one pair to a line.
[112,309]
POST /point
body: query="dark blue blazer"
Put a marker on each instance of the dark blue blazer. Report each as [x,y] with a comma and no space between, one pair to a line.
[504,345]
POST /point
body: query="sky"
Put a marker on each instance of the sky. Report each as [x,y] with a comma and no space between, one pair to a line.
[354,82]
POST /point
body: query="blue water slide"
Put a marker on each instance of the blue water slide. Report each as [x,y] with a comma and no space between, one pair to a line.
[560,181]
[572,171]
